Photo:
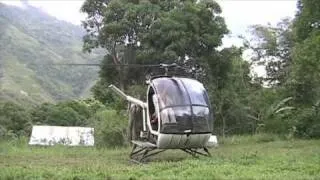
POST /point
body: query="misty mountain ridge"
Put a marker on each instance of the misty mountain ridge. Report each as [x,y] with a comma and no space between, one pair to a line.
[30,39]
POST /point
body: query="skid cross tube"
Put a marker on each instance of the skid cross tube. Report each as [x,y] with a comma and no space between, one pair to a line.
[195,152]
[140,154]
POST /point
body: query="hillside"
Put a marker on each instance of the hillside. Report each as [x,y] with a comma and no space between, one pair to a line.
[29,40]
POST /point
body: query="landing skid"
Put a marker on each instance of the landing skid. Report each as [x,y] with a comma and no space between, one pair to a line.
[142,150]
[195,152]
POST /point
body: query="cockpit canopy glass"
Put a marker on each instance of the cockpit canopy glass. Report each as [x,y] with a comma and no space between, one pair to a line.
[184,106]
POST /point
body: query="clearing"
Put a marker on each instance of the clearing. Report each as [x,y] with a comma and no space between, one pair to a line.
[241,157]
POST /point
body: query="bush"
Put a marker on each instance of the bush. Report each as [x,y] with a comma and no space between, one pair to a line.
[68,113]
[110,128]
[15,120]
[308,122]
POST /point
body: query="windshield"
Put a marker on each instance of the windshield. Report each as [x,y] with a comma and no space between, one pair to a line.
[171,92]
[184,106]
[196,92]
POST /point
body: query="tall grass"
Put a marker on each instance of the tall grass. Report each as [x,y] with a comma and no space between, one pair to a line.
[250,139]
[237,157]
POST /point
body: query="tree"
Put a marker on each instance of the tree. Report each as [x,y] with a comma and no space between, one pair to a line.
[15,118]
[272,47]
[304,83]
[304,78]
[231,96]
[307,19]
[150,32]
[115,26]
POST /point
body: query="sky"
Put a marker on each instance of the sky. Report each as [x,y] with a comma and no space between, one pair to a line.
[238,14]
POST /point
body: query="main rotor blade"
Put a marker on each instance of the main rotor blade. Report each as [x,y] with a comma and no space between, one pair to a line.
[72,64]
[92,64]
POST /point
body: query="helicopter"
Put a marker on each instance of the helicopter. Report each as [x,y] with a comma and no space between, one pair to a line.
[177,115]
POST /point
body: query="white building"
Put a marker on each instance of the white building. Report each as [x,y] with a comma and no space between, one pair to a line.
[70,136]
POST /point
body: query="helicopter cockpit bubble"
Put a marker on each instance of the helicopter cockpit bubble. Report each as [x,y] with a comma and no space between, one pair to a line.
[183,106]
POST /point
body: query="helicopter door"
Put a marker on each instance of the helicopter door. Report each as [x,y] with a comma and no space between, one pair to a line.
[153,107]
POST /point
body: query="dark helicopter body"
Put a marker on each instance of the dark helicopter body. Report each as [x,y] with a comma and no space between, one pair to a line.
[177,115]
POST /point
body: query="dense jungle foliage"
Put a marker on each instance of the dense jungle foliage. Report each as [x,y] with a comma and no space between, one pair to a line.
[189,33]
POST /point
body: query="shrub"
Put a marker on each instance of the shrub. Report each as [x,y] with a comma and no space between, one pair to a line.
[110,128]
[308,122]
[15,120]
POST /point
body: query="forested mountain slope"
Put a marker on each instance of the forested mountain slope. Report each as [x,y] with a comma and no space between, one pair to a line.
[30,40]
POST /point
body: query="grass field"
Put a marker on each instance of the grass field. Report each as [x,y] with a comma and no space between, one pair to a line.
[236,158]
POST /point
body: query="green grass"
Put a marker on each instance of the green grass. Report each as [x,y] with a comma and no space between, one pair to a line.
[236,158]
